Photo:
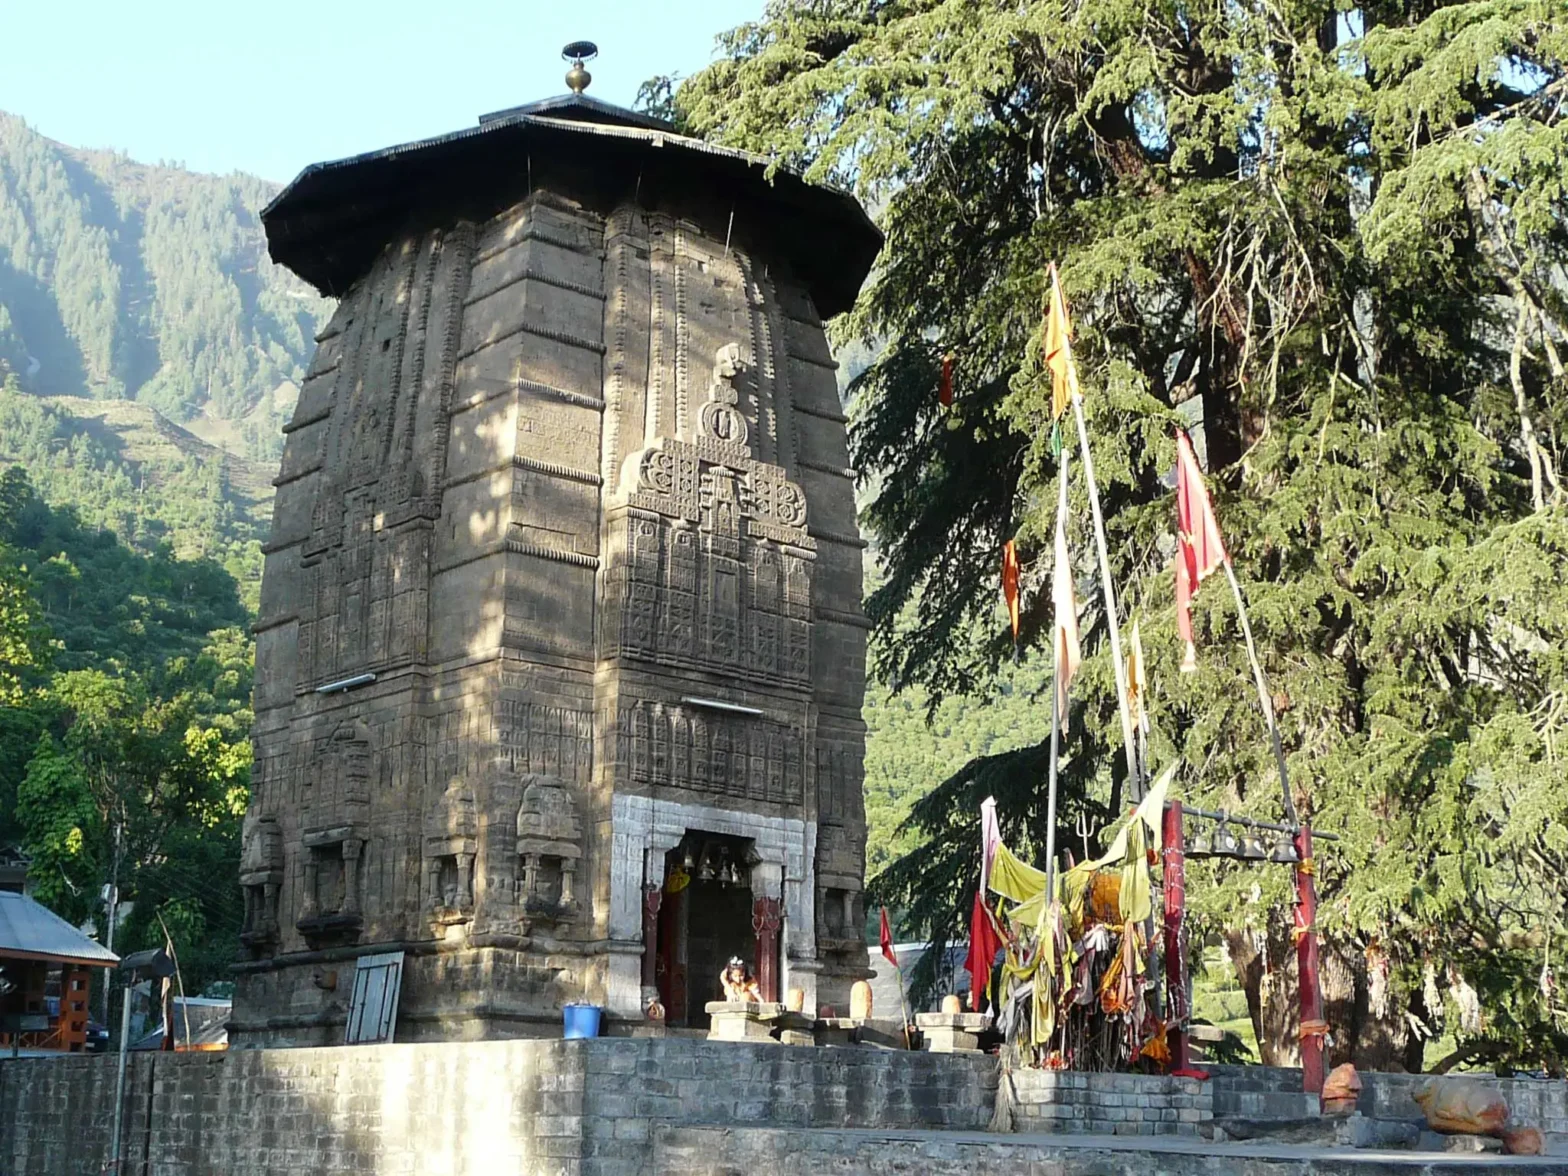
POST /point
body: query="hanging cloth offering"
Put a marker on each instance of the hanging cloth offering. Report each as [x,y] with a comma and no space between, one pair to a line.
[944,392]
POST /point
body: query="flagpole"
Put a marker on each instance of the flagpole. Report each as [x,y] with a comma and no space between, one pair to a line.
[1056,702]
[1109,590]
[903,1005]
[1263,691]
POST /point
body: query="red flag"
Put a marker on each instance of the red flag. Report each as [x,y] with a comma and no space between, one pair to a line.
[1010,583]
[886,936]
[984,942]
[944,393]
[1199,548]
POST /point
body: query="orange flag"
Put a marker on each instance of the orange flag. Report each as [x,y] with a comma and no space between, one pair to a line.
[1066,608]
[944,392]
[1199,548]
[1010,583]
[1059,351]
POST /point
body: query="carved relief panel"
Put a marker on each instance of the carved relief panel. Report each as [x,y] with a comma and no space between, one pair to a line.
[713,568]
[741,756]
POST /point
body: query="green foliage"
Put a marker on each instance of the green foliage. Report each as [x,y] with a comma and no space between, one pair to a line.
[1334,239]
[119,280]
[137,745]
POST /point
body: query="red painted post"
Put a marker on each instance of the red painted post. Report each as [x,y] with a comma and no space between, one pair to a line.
[767,916]
[652,899]
[1313,1027]
[1176,1010]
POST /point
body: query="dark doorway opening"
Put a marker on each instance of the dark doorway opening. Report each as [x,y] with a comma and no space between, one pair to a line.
[704,919]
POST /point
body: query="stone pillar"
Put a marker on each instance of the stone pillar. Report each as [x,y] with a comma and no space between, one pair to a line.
[307,908]
[351,848]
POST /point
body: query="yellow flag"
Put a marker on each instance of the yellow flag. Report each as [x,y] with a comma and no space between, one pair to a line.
[1136,683]
[1059,351]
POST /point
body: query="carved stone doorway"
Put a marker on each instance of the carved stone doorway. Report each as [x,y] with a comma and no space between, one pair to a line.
[706,917]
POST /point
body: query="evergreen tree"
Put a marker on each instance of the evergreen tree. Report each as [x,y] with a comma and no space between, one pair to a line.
[1333,240]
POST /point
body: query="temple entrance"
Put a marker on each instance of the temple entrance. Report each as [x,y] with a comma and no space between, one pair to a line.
[704,918]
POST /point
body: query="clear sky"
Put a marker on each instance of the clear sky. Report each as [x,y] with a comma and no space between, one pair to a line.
[268,86]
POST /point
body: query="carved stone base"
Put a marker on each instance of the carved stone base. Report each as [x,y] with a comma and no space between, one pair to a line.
[951,1032]
[740,1021]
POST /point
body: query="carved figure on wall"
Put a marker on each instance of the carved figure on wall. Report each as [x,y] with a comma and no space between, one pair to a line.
[720,418]
[451,842]
[335,826]
[549,844]
[261,875]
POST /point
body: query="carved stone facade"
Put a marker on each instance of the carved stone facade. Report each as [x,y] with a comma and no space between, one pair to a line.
[564,566]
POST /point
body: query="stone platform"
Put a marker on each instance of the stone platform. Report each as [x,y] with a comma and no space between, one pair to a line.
[725,1151]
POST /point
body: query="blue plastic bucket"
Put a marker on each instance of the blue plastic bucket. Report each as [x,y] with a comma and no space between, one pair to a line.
[581,1020]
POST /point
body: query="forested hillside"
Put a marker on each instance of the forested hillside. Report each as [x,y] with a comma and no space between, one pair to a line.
[125,680]
[120,280]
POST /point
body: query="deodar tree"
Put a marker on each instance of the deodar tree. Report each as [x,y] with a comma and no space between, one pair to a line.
[1333,238]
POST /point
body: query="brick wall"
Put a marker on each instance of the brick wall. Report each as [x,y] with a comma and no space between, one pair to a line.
[1109,1104]
[543,1108]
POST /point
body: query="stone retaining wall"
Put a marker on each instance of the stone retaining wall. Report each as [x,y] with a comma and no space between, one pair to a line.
[1109,1104]
[1275,1092]
[540,1108]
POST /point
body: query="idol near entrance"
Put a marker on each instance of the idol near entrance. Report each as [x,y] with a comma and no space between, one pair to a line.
[561,653]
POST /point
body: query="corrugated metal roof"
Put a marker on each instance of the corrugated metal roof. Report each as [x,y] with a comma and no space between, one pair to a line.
[32,931]
[206,1019]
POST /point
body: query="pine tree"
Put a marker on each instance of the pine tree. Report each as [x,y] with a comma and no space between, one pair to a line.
[1332,240]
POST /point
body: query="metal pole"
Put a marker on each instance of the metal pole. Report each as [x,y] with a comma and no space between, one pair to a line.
[114,913]
[1056,709]
[119,1078]
[1109,591]
[1263,692]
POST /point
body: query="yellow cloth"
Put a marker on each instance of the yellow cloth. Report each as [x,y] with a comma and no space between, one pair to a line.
[1025,885]
[1015,879]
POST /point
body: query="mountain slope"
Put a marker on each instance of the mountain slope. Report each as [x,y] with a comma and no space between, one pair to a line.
[124,280]
[125,468]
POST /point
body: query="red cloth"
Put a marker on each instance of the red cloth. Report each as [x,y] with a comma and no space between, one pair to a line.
[886,937]
[1010,583]
[984,942]
[1199,548]
[944,394]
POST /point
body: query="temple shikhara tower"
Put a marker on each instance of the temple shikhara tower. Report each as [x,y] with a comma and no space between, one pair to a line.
[561,652]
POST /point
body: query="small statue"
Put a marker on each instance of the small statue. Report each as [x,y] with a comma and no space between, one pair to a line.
[740,986]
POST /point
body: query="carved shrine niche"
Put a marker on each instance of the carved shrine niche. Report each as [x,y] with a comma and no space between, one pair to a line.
[664,745]
[451,843]
[549,849]
[714,568]
[334,820]
[261,875]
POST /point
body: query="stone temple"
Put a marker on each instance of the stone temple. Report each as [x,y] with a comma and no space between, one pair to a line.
[561,652]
